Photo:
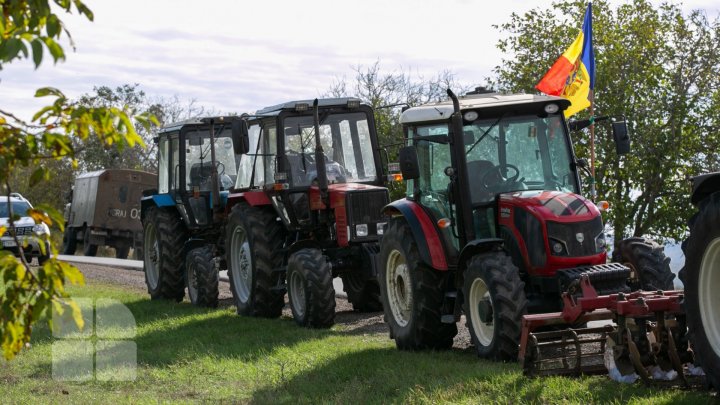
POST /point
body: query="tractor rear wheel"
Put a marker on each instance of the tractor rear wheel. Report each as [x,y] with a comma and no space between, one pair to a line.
[69,245]
[201,278]
[310,289]
[164,262]
[253,240]
[362,292]
[701,276]
[412,295]
[494,305]
[647,259]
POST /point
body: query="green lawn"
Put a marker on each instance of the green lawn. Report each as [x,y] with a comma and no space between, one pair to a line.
[186,354]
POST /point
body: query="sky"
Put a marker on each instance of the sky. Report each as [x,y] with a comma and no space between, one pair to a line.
[240,56]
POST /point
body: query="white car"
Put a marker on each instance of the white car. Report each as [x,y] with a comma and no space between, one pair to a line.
[25,229]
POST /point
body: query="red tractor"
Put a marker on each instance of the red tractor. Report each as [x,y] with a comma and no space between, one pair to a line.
[305,209]
[494,225]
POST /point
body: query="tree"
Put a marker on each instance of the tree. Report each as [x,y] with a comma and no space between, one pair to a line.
[27,30]
[657,66]
[387,93]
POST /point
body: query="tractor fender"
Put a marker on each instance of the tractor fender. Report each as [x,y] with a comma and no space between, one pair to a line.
[478,246]
[156,200]
[425,232]
[703,186]
[253,198]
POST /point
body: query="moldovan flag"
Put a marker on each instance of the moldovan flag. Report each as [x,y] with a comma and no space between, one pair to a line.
[573,74]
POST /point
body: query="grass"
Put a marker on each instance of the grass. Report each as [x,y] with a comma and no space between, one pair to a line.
[187,354]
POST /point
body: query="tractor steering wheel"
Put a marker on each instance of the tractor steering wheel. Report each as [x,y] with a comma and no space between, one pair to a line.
[485,180]
[220,168]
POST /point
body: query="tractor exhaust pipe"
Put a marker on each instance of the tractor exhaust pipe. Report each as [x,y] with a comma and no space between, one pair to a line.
[214,178]
[319,155]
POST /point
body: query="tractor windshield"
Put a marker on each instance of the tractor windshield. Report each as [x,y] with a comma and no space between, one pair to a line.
[198,163]
[513,153]
[346,142]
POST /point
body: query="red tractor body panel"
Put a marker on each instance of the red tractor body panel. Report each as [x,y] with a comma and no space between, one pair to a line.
[542,208]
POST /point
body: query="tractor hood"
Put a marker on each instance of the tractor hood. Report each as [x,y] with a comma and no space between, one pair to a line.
[552,205]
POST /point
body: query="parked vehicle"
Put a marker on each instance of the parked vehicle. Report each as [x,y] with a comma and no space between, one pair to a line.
[494,225]
[104,210]
[32,237]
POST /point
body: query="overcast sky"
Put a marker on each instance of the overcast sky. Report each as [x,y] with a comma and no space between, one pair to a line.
[238,56]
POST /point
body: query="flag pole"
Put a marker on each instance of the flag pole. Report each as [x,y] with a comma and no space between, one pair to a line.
[593,191]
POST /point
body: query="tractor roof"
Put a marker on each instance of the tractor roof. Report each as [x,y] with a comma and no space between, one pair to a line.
[291,105]
[175,126]
[441,111]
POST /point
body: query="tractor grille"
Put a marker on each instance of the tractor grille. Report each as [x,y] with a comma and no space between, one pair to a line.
[569,235]
[364,207]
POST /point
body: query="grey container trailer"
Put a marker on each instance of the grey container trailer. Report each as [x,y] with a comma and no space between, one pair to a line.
[104,210]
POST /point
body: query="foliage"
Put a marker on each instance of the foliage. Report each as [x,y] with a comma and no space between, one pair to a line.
[657,66]
[27,29]
[388,93]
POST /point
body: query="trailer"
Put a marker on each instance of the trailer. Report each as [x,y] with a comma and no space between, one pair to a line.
[104,210]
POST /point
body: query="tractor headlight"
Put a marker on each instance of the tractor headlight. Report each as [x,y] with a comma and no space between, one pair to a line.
[600,242]
[558,247]
[381,228]
[361,230]
[41,229]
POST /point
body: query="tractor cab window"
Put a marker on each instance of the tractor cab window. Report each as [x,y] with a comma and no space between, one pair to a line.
[516,153]
[257,167]
[163,166]
[198,162]
[345,139]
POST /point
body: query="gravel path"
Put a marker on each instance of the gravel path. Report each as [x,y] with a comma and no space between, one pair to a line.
[351,321]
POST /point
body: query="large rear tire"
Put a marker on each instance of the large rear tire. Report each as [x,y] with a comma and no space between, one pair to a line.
[310,289]
[412,295]
[648,259]
[494,305]
[701,276]
[362,292]
[164,262]
[69,245]
[89,249]
[201,278]
[254,238]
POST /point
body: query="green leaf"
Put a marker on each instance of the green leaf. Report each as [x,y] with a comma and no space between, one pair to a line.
[38,175]
[53,26]
[48,91]
[37,50]
[55,49]
[10,49]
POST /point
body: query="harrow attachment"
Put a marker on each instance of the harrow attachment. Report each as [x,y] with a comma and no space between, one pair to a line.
[646,339]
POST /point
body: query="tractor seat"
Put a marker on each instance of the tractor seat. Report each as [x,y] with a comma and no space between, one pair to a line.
[476,171]
[199,173]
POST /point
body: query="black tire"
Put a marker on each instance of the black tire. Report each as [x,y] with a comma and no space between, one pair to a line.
[495,329]
[252,287]
[414,319]
[121,252]
[362,292]
[69,246]
[310,289]
[649,260]
[88,248]
[201,278]
[701,276]
[164,262]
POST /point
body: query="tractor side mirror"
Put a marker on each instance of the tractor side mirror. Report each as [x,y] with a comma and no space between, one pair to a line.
[241,140]
[621,137]
[409,166]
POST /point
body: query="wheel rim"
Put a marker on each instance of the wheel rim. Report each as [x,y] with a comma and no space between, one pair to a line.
[152,256]
[297,294]
[399,289]
[708,297]
[191,282]
[241,264]
[483,331]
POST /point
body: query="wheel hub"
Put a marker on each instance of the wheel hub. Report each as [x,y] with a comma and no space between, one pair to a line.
[708,297]
[481,312]
[152,249]
[241,264]
[399,288]
[297,294]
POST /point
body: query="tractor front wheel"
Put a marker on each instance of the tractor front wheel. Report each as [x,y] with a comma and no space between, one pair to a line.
[253,240]
[362,292]
[494,305]
[201,278]
[163,262]
[412,295]
[701,276]
[310,289]
[647,261]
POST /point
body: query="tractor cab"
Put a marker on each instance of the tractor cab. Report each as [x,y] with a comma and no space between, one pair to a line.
[197,167]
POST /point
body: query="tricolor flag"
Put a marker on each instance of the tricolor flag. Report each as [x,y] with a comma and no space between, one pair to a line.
[573,75]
